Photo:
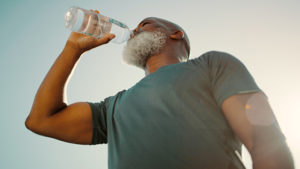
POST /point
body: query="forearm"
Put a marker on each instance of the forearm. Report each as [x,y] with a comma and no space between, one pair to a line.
[50,95]
[270,150]
[279,158]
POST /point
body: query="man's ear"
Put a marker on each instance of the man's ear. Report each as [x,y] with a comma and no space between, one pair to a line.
[178,35]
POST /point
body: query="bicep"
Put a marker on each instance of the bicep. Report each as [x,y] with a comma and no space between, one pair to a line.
[72,124]
[252,119]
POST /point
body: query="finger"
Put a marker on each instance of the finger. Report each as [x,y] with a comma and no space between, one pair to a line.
[95,11]
[105,39]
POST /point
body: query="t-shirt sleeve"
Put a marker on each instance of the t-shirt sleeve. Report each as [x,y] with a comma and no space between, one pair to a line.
[99,114]
[228,76]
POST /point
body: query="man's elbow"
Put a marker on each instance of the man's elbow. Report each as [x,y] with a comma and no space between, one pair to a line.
[29,124]
[33,125]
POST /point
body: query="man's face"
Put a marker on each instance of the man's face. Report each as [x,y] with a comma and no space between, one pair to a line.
[148,39]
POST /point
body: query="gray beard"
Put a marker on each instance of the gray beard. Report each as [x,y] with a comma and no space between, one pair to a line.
[142,46]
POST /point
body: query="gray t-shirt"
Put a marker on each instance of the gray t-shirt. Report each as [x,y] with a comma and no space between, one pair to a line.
[172,118]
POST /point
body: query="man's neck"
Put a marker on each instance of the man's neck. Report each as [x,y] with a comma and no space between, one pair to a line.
[157,61]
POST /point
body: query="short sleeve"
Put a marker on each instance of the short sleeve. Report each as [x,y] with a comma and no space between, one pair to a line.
[228,76]
[99,119]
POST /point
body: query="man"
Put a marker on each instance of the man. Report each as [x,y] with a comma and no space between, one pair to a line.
[182,115]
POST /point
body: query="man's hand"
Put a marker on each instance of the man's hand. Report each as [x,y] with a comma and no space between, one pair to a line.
[81,43]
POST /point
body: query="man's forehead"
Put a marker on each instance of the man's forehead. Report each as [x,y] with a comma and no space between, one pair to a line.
[166,22]
[154,18]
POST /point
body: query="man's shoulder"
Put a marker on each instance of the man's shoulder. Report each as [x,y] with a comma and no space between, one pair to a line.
[214,57]
[213,54]
[112,99]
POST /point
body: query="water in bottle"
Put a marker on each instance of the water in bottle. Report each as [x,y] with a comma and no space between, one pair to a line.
[96,25]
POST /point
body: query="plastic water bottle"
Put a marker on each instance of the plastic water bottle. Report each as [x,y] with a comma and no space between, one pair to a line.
[96,25]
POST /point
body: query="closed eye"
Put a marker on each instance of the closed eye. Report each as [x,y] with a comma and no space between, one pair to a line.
[145,23]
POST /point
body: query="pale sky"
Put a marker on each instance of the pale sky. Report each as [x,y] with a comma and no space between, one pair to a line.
[263,34]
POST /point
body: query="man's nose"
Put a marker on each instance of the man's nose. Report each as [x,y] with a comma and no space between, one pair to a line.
[131,35]
[134,32]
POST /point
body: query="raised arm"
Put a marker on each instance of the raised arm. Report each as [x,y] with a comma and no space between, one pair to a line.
[50,115]
[251,118]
